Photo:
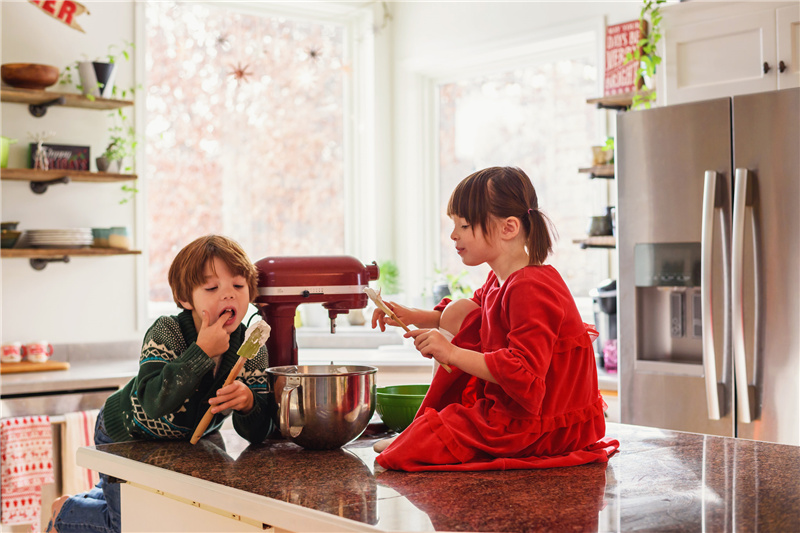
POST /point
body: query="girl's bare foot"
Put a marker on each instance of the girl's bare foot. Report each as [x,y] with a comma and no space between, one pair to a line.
[383,444]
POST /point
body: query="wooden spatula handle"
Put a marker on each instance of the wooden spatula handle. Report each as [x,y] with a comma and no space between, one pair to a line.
[206,420]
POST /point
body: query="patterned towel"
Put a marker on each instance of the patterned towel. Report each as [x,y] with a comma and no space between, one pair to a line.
[26,450]
[77,431]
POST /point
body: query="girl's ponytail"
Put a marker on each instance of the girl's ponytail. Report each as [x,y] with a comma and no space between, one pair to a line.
[539,242]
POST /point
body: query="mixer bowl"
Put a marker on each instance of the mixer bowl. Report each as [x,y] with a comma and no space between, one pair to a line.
[323,407]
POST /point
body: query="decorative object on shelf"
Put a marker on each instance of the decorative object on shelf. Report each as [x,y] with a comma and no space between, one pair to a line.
[621,41]
[97,76]
[64,11]
[118,237]
[5,142]
[62,156]
[599,225]
[29,75]
[9,238]
[40,161]
[601,156]
[645,56]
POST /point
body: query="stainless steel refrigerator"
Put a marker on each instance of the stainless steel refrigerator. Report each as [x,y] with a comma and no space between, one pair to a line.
[708,229]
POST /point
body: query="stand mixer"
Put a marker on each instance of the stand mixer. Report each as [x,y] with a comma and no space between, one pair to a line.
[337,282]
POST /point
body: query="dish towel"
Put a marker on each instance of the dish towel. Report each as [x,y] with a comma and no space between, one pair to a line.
[76,432]
[26,450]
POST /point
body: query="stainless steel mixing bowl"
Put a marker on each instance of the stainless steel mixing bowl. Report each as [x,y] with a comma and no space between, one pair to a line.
[322,407]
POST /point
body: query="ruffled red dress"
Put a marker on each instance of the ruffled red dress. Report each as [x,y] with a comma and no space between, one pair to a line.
[545,409]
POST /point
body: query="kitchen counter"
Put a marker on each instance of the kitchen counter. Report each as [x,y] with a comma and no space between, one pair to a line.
[659,480]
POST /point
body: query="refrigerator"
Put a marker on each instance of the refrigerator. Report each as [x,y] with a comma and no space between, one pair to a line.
[708,233]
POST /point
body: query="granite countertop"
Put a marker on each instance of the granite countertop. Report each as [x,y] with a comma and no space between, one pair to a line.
[659,480]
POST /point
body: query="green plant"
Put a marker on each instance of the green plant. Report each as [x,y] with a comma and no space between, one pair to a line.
[112,56]
[457,284]
[645,54]
[609,147]
[389,278]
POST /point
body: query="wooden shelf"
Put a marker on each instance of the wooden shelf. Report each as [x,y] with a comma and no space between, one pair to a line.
[599,171]
[39,97]
[600,241]
[52,253]
[30,174]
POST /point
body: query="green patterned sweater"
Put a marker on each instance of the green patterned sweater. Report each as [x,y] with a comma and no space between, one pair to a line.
[169,396]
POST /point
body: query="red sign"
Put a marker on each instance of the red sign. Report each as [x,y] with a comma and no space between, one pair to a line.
[622,39]
[63,10]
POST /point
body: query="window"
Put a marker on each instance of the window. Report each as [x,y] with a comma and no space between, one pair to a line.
[244,131]
[534,117]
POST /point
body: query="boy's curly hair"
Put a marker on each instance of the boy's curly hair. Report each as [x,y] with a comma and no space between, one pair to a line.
[186,271]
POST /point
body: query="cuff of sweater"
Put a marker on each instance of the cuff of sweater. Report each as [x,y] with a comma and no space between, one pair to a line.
[253,418]
[197,360]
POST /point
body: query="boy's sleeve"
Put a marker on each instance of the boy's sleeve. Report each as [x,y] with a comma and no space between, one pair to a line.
[256,425]
[169,372]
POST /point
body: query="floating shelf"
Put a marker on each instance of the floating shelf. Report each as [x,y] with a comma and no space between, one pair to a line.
[42,179]
[600,241]
[599,171]
[39,100]
[41,257]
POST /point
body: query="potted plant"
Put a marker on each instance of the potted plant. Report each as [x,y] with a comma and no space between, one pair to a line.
[646,54]
[97,77]
[121,145]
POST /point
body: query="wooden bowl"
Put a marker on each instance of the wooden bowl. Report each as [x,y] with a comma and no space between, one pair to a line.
[29,75]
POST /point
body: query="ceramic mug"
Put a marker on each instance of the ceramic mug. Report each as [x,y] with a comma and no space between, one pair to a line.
[12,352]
[38,352]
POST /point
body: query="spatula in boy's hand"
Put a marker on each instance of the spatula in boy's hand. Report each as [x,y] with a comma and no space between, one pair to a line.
[378,301]
[256,337]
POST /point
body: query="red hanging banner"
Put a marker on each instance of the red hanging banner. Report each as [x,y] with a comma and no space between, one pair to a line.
[63,10]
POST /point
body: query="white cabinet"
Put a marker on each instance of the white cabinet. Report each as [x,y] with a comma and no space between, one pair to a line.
[720,49]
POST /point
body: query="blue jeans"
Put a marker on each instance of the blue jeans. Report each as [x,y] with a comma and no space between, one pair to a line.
[97,510]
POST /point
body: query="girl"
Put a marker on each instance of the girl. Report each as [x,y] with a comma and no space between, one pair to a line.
[523,391]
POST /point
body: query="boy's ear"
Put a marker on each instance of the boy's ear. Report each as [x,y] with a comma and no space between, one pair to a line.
[186,305]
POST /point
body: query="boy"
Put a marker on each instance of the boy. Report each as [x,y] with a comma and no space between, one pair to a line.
[184,362]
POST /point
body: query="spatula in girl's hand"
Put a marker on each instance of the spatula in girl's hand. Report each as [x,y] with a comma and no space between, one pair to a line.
[378,301]
[255,337]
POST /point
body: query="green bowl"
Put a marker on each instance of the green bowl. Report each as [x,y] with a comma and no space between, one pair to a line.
[397,404]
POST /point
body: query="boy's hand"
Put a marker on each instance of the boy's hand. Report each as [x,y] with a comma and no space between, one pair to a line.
[234,396]
[212,338]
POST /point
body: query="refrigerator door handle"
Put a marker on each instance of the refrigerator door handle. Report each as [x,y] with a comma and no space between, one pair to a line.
[742,199]
[710,203]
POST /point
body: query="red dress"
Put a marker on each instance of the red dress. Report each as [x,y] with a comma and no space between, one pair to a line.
[545,410]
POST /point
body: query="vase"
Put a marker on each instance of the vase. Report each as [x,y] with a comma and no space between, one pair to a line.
[105,164]
[97,78]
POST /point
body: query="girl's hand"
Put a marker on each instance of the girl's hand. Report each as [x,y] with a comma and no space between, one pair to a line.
[379,318]
[408,315]
[234,396]
[212,338]
[431,343]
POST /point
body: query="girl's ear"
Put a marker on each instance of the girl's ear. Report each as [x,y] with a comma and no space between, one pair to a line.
[509,227]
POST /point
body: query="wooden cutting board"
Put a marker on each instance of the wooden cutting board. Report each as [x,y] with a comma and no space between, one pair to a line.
[27,366]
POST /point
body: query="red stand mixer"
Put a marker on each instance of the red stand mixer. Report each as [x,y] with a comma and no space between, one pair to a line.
[336,281]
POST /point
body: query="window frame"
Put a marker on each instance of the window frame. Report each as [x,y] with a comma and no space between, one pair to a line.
[360,233]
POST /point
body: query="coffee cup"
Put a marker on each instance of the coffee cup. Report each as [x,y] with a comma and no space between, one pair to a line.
[12,352]
[38,352]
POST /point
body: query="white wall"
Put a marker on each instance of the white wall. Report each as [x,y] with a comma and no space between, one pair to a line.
[88,299]
[433,40]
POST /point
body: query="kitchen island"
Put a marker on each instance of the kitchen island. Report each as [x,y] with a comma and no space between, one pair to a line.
[659,480]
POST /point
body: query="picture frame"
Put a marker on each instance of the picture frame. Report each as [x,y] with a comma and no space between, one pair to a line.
[62,156]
